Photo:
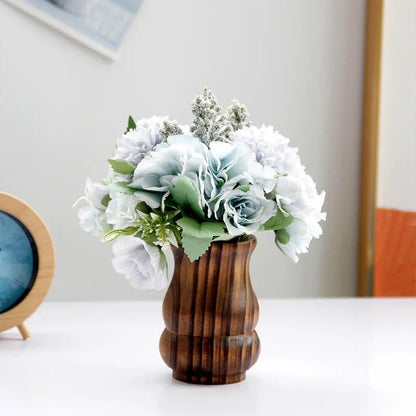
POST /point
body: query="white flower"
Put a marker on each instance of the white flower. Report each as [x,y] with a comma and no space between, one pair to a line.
[92,218]
[300,199]
[299,240]
[121,210]
[271,148]
[133,146]
[95,194]
[144,265]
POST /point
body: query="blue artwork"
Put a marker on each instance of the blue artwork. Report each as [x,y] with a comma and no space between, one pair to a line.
[100,24]
[18,261]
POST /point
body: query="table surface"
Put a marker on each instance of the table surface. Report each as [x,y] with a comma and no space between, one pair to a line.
[319,357]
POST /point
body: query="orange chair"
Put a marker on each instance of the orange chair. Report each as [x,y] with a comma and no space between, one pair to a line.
[395,253]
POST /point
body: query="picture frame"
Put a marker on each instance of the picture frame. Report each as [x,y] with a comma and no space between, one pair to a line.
[101,25]
[387,242]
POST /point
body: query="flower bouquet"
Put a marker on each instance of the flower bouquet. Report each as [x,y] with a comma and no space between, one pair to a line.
[203,190]
[219,179]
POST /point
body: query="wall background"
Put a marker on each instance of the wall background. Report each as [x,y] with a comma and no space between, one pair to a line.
[397,139]
[296,65]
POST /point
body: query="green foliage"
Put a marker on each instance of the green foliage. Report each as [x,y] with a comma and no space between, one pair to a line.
[159,227]
[281,236]
[278,222]
[197,236]
[143,207]
[105,200]
[186,196]
[112,235]
[122,167]
[131,124]
[121,187]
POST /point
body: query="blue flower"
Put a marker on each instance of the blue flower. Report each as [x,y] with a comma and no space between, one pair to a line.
[181,155]
[230,167]
[244,211]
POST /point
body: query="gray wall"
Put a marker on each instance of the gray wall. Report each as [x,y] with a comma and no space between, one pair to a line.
[295,64]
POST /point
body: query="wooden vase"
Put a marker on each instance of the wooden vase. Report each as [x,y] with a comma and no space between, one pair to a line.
[210,312]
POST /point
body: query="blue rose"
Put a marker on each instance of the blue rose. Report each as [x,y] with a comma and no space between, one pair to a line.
[244,211]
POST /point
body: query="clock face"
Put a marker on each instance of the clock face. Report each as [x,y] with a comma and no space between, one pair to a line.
[18,261]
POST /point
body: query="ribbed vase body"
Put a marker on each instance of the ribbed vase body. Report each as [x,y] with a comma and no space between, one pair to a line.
[210,312]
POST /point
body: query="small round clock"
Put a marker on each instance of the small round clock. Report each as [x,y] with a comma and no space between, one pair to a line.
[27,262]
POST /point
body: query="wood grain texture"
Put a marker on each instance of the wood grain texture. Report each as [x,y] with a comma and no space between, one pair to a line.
[369,143]
[24,331]
[395,260]
[210,312]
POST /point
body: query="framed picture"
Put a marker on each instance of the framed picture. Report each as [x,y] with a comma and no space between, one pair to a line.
[99,24]
[387,258]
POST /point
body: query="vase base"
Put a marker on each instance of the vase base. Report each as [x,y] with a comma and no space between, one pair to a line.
[193,379]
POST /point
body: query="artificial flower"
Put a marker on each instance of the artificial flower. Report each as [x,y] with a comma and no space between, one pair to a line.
[137,142]
[244,211]
[181,155]
[144,265]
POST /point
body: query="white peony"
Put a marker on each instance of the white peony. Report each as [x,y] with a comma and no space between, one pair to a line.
[270,147]
[143,264]
[133,146]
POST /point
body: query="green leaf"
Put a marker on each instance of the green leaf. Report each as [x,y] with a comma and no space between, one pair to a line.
[195,247]
[131,124]
[197,237]
[121,187]
[198,229]
[111,235]
[176,233]
[143,207]
[171,214]
[105,200]
[186,197]
[121,167]
[281,236]
[278,222]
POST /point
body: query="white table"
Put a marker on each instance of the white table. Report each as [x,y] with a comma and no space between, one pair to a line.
[319,357]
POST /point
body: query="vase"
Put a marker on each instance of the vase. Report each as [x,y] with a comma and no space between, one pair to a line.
[210,312]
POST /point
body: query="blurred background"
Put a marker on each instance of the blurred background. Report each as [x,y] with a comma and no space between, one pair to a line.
[297,65]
